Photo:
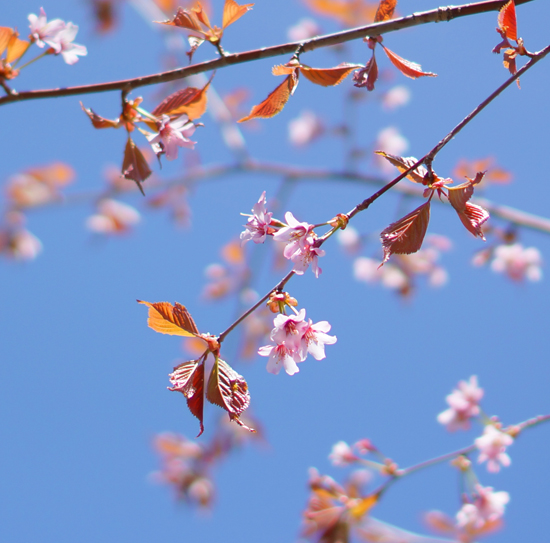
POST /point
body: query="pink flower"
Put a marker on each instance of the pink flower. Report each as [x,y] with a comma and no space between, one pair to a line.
[64,42]
[304,129]
[463,405]
[315,338]
[280,356]
[517,262]
[294,234]
[487,507]
[492,447]
[306,255]
[257,227]
[113,217]
[43,33]
[171,135]
[342,454]
[289,330]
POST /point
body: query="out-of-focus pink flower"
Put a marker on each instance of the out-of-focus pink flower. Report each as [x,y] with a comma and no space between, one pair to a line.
[517,262]
[69,51]
[305,128]
[257,227]
[342,454]
[487,506]
[280,356]
[43,32]
[113,217]
[463,405]
[349,239]
[171,135]
[492,447]
[304,29]
[396,97]
[15,241]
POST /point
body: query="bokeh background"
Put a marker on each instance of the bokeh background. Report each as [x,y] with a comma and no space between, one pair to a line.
[83,380]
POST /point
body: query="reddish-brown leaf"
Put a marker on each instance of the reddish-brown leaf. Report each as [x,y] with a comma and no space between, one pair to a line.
[385,10]
[284,69]
[472,217]
[233,12]
[367,76]
[507,21]
[404,163]
[407,234]
[229,390]
[348,12]
[190,101]
[406,67]
[188,378]
[98,121]
[276,101]
[185,19]
[134,165]
[202,16]
[174,320]
[328,77]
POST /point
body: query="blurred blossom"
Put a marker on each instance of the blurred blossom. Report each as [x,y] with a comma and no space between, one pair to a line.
[396,97]
[487,506]
[305,128]
[492,447]
[517,262]
[15,241]
[463,405]
[303,30]
[391,141]
[342,454]
[113,217]
[349,239]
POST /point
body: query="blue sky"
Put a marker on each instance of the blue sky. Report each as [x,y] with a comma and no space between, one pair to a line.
[83,380]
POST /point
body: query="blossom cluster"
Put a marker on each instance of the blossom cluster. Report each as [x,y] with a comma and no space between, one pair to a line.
[57,35]
[301,241]
[293,338]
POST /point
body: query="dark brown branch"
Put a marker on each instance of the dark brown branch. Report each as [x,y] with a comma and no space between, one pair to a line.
[433,16]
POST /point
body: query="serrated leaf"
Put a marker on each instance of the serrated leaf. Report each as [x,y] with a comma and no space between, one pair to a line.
[473,217]
[507,21]
[174,320]
[227,389]
[276,101]
[190,101]
[233,12]
[404,163]
[98,121]
[188,378]
[184,19]
[134,165]
[406,235]
[385,10]
[328,77]
[459,195]
[406,67]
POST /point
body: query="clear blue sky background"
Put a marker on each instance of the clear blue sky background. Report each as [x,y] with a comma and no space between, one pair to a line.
[83,380]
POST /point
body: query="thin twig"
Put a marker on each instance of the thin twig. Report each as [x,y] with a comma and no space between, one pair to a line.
[432,16]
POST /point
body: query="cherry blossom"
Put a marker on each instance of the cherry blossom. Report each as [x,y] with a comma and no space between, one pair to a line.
[289,329]
[69,51]
[171,135]
[463,405]
[294,234]
[342,454]
[16,241]
[306,255]
[257,227]
[304,29]
[280,356]
[113,217]
[43,32]
[396,97]
[305,128]
[492,447]
[517,262]
[315,338]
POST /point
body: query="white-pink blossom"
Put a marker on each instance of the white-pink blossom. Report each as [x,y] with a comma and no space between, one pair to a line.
[492,447]
[257,227]
[304,29]
[44,32]
[306,255]
[304,129]
[294,234]
[517,262]
[280,356]
[113,217]
[171,135]
[463,405]
[315,338]
[64,39]
[289,329]
[488,506]
[396,97]
[342,454]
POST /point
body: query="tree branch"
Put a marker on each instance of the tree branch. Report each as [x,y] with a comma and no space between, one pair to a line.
[127,85]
